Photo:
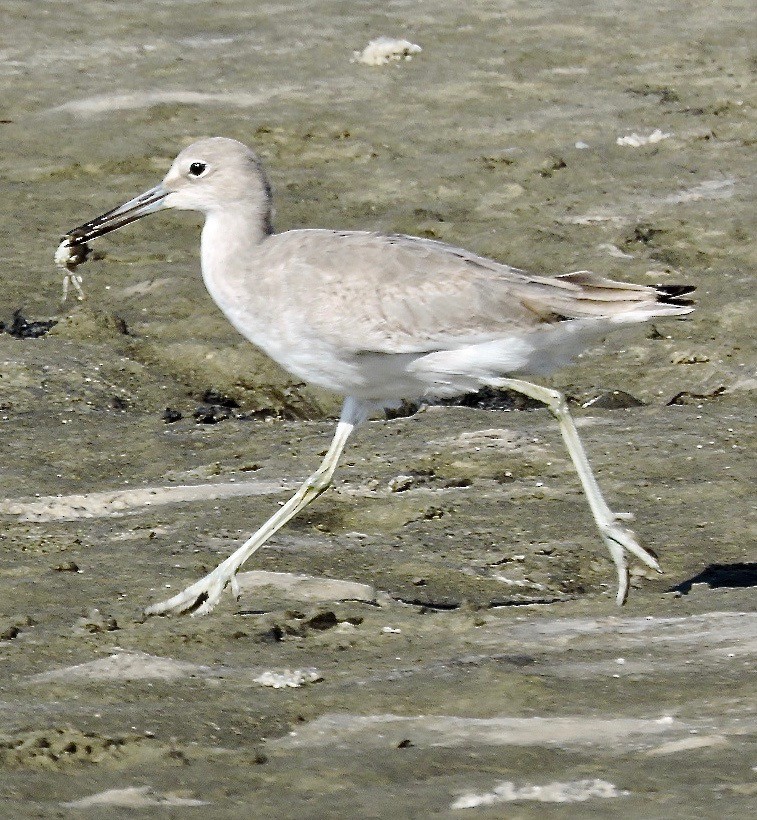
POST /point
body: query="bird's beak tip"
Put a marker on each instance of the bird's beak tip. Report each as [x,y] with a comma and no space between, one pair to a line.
[146,203]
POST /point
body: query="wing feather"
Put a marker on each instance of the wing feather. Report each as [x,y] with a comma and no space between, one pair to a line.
[381,293]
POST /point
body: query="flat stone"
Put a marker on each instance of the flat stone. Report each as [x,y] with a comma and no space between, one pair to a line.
[302,587]
[124,666]
[133,797]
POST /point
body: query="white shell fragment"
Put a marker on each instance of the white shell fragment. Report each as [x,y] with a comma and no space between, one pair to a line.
[574,792]
[384,50]
[637,141]
[288,678]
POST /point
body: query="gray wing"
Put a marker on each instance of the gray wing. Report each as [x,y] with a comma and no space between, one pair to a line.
[369,292]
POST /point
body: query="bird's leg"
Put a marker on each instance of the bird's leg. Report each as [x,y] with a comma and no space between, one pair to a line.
[616,536]
[203,595]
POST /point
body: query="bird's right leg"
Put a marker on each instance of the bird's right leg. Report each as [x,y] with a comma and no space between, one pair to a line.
[203,595]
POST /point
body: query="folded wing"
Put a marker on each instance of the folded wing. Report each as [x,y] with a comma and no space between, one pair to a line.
[402,294]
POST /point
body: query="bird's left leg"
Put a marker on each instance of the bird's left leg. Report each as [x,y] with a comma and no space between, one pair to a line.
[203,595]
[616,536]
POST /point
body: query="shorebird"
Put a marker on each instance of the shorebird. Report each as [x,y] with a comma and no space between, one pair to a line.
[381,318]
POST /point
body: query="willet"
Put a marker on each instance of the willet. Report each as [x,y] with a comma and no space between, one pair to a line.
[379,319]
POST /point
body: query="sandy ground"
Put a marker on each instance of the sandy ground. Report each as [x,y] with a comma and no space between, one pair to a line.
[437,635]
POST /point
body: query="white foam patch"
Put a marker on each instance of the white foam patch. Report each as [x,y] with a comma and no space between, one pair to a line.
[134,797]
[106,103]
[633,207]
[121,502]
[124,666]
[576,791]
[382,731]
[709,189]
[686,744]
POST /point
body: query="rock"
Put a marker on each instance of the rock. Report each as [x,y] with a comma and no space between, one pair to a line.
[210,413]
[613,400]
[170,415]
[302,587]
[133,797]
[400,483]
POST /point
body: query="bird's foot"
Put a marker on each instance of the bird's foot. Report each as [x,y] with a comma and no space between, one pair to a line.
[199,598]
[621,540]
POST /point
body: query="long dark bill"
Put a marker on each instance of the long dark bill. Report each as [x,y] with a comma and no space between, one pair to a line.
[142,205]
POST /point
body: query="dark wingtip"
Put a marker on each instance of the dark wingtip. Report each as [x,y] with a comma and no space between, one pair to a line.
[671,294]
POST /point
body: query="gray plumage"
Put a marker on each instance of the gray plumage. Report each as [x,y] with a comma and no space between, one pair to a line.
[380,318]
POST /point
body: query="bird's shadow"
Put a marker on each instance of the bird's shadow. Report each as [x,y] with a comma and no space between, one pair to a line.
[721,575]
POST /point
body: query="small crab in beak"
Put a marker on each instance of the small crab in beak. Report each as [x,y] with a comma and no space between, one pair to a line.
[73,249]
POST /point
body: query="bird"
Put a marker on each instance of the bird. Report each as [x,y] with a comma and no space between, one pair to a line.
[381,319]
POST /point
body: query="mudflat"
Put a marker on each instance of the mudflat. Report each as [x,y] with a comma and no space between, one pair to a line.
[436,635]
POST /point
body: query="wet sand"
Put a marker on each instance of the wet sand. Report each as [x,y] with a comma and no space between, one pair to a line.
[454,649]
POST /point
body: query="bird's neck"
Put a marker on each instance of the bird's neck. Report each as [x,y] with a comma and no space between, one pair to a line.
[230,239]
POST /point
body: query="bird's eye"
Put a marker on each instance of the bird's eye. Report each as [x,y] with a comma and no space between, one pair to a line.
[197,169]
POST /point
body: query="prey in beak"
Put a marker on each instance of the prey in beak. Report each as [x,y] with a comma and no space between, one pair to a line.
[73,249]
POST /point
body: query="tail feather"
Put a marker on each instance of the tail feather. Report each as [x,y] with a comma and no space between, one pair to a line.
[584,294]
[671,294]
